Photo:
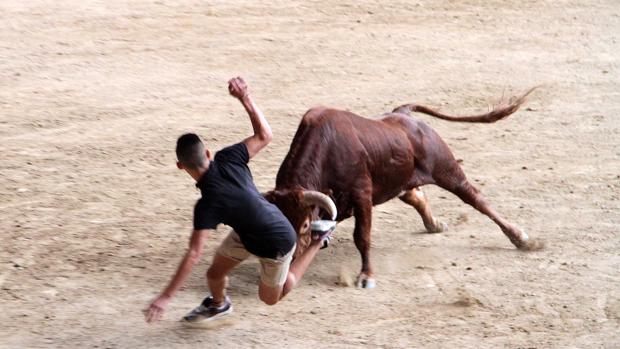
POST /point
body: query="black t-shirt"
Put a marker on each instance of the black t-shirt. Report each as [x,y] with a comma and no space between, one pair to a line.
[229,196]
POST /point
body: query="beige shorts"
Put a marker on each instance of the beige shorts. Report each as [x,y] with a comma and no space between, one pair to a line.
[273,272]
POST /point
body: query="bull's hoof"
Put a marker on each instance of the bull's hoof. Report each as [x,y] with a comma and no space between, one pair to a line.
[531,245]
[365,281]
[521,240]
[438,227]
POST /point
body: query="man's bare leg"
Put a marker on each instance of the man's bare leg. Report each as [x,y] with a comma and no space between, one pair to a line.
[271,295]
[300,265]
[217,278]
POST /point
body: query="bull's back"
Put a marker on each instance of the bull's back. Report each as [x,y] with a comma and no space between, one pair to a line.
[353,153]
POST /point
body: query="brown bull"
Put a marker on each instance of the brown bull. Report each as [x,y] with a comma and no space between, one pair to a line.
[362,162]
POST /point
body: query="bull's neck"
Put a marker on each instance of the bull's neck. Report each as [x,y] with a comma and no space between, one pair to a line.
[303,165]
[306,177]
[301,169]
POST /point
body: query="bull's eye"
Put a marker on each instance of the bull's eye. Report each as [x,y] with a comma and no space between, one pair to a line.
[304,228]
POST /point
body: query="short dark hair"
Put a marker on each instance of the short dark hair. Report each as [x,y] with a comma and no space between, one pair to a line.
[191,151]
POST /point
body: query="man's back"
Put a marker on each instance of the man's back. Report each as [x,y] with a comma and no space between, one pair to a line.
[229,196]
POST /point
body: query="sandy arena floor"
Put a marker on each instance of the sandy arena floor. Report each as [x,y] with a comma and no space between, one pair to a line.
[95,216]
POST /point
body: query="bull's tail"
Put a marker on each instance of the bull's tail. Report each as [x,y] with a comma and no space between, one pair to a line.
[500,111]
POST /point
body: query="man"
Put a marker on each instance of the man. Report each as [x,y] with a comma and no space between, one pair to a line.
[229,196]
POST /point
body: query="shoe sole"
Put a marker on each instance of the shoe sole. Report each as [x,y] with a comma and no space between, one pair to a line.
[208,320]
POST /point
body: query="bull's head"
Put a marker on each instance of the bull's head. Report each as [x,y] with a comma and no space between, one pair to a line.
[302,207]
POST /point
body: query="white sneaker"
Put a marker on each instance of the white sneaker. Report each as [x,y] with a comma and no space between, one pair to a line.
[206,311]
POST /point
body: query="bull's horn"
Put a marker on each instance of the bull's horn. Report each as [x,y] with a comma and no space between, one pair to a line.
[321,200]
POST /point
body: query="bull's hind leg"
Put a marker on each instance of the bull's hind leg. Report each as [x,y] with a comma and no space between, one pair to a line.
[454,180]
[416,198]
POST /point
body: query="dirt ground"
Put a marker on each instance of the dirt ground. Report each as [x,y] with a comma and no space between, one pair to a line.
[95,216]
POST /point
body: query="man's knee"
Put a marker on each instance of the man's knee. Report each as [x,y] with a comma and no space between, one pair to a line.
[269,295]
[269,299]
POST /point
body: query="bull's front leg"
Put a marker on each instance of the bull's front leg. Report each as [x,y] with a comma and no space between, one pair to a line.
[361,236]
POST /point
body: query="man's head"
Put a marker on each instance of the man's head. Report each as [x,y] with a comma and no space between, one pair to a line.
[192,156]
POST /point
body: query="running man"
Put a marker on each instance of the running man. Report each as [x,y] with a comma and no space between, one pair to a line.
[229,196]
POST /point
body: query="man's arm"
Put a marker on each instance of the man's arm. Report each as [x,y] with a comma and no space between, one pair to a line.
[262,131]
[196,244]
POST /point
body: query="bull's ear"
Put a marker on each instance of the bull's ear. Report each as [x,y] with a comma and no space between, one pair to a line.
[298,195]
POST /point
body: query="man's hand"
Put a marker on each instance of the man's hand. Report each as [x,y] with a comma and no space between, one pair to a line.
[196,243]
[156,309]
[262,131]
[237,87]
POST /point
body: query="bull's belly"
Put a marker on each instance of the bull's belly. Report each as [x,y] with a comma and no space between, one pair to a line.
[381,196]
[387,182]
[346,206]
[390,183]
